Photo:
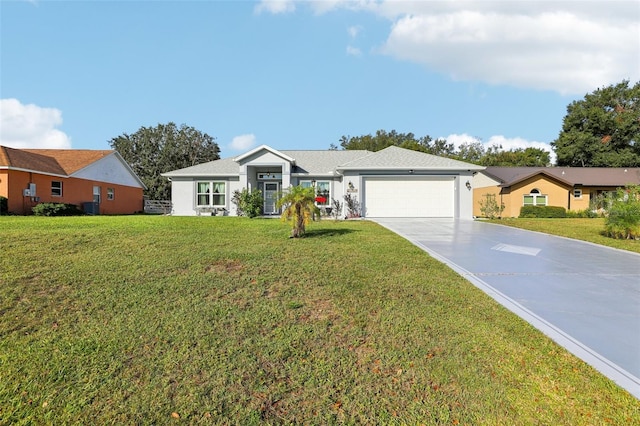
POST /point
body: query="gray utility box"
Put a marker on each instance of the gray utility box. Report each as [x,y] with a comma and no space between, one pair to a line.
[91,208]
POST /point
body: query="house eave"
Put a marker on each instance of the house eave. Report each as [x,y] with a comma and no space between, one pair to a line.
[197,175]
[19,169]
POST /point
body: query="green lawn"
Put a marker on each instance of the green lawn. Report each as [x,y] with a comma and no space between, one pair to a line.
[580,229]
[222,320]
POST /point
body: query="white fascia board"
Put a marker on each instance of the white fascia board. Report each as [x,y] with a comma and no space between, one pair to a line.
[197,175]
[327,174]
[128,167]
[267,148]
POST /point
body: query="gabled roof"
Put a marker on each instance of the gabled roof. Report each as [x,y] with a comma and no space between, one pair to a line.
[308,162]
[394,157]
[327,162]
[280,154]
[571,176]
[61,162]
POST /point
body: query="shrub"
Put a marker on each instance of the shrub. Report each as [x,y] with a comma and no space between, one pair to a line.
[542,212]
[353,206]
[582,214]
[56,209]
[489,206]
[248,203]
[4,205]
[623,214]
[336,208]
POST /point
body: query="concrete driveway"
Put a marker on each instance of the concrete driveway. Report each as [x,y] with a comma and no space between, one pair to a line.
[584,296]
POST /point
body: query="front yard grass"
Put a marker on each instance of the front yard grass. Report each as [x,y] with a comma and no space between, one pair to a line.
[222,320]
[577,228]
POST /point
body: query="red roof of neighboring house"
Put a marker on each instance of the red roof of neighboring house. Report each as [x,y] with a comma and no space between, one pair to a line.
[50,161]
[586,176]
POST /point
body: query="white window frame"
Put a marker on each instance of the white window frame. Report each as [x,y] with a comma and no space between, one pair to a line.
[212,192]
[577,193]
[56,191]
[111,194]
[537,199]
[309,183]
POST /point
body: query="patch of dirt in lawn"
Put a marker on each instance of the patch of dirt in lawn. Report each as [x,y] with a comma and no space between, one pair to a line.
[225,266]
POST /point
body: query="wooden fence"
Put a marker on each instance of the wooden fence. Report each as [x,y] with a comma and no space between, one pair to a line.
[157,206]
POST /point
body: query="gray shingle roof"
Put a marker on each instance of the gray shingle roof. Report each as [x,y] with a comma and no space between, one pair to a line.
[326,162]
[394,157]
[323,162]
[223,167]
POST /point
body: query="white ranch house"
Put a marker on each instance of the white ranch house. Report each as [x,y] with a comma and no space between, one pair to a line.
[393,182]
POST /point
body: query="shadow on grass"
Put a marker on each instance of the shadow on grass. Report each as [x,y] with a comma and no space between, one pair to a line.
[326,233]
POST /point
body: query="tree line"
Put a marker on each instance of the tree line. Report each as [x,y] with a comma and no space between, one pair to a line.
[601,130]
[472,152]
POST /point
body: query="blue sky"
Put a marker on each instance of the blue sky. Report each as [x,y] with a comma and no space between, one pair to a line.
[301,74]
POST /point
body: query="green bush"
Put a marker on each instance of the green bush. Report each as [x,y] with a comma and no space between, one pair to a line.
[542,212]
[582,214]
[248,203]
[489,206]
[623,214]
[4,205]
[56,209]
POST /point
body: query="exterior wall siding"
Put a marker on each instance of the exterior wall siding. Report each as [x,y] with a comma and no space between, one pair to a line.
[127,199]
[558,194]
[479,196]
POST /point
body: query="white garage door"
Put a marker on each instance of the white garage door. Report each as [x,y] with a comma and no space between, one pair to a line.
[409,197]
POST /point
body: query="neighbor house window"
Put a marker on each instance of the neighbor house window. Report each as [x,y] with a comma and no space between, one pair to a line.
[110,194]
[211,194]
[577,193]
[323,195]
[56,188]
[534,198]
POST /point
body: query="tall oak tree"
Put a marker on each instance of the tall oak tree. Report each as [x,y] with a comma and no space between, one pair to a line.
[602,130]
[154,150]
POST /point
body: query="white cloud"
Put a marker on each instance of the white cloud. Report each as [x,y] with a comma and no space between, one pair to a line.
[243,142]
[275,6]
[506,143]
[31,126]
[543,45]
[353,51]
[354,30]
[570,47]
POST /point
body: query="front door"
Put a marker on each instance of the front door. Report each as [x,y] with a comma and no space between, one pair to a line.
[270,197]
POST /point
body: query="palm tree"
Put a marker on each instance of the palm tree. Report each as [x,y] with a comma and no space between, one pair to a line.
[299,205]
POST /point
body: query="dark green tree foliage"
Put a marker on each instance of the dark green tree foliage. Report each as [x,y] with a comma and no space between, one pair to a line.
[602,130]
[472,152]
[383,139]
[154,150]
[517,157]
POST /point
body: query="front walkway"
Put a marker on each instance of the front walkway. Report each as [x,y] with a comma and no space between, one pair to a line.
[584,296]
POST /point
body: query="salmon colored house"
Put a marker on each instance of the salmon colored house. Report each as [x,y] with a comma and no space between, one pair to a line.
[570,187]
[99,182]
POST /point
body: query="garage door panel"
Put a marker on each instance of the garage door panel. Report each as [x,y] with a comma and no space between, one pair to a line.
[418,197]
